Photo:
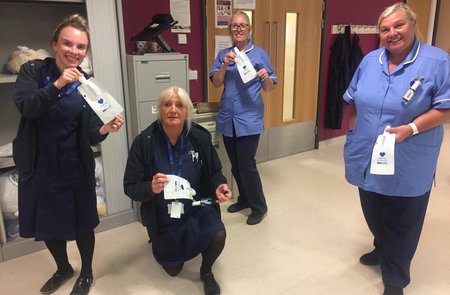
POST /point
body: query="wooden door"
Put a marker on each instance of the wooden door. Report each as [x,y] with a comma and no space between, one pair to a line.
[295,97]
[423,9]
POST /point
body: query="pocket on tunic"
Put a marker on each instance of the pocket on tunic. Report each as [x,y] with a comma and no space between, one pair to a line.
[415,166]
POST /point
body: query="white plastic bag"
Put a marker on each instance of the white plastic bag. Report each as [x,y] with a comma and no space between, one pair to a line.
[244,65]
[22,55]
[99,99]
[86,65]
[178,188]
[383,162]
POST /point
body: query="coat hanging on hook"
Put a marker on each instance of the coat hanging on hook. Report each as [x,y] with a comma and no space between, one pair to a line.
[346,54]
[338,79]
[356,53]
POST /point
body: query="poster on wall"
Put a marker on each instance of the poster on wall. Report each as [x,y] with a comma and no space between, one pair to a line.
[223,13]
[244,4]
[222,42]
[181,12]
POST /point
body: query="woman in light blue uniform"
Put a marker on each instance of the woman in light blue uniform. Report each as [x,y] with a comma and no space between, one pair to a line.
[404,84]
[241,114]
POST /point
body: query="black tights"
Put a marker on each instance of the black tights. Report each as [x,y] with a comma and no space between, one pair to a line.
[209,256]
[85,244]
[213,251]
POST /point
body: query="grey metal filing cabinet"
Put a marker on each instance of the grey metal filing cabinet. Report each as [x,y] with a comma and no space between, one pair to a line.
[208,121]
[148,75]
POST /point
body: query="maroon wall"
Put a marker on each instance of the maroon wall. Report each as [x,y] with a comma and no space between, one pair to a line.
[363,12]
[137,14]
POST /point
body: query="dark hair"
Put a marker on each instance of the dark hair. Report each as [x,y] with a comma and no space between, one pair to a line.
[76,21]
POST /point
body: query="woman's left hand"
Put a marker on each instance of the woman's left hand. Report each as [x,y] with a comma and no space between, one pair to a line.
[113,125]
[267,83]
[262,74]
[402,132]
[223,193]
[424,122]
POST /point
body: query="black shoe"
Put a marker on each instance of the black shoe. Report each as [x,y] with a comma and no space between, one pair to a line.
[392,290]
[56,281]
[370,259]
[82,286]
[236,207]
[209,284]
[255,218]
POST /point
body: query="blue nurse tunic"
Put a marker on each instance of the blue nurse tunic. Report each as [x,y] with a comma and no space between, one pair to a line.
[57,202]
[377,95]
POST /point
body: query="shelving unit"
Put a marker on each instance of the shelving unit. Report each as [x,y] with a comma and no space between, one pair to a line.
[31,23]
[6,162]
[6,78]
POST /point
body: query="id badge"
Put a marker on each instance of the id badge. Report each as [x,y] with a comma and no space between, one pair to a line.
[175,209]
[383,161]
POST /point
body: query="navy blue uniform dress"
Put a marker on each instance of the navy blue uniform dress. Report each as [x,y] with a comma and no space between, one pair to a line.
[57,202]
[179,240]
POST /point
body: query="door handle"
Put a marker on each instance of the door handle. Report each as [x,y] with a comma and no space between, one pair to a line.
[276,44]
[269,46]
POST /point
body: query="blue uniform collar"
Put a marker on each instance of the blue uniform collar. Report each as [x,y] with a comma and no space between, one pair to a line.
[247,48]
[410,58]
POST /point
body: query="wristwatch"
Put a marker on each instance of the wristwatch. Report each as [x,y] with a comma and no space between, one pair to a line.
[414,128]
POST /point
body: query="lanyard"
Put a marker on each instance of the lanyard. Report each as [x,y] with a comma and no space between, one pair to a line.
[176,170]
[69,88]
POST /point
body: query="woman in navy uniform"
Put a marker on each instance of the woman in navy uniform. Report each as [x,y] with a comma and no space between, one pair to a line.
[52,152]
[173,145]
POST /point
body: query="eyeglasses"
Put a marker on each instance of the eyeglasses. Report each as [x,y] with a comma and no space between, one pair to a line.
[234,27]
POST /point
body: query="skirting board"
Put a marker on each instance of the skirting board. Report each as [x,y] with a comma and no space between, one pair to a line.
[20,246]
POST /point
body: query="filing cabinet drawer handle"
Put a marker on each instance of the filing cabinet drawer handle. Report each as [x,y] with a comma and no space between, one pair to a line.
[162,78]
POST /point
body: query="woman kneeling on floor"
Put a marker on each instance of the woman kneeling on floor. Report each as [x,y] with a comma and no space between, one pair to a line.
[166,158]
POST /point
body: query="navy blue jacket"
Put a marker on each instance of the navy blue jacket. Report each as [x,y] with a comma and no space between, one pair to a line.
[139,170]
[32,100]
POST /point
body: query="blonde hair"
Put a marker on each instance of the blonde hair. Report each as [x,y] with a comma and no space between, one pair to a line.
[244,15]
[76,21]
[172,91]
[410,15]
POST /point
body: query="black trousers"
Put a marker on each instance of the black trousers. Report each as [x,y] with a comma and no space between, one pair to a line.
[241,152]
[396,223]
